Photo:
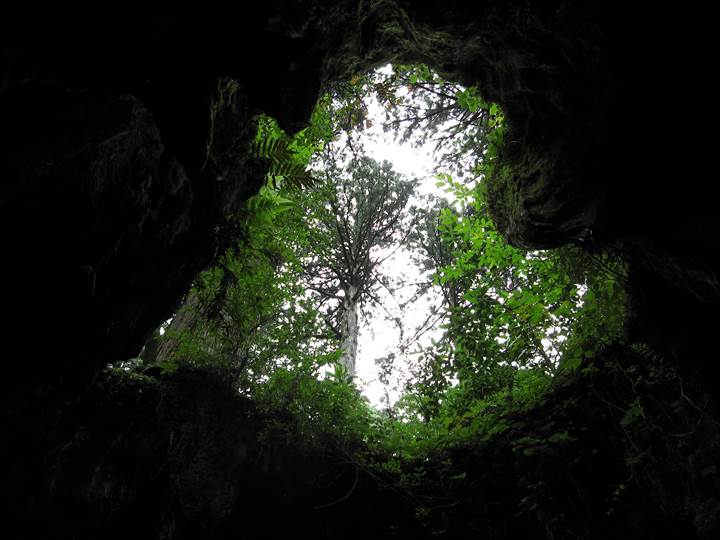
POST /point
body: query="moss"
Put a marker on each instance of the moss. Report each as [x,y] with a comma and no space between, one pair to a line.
[512,188]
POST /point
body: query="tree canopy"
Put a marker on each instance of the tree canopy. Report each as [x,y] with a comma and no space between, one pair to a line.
[355,216]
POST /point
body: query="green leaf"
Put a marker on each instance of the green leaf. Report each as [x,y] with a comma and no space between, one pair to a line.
[561,437]
[632,414]
[468,99]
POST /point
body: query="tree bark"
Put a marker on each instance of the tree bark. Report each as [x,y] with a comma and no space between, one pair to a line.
[349,329]
[185,318]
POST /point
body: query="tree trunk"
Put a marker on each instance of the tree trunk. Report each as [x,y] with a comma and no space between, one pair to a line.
[349,329]
[186,317]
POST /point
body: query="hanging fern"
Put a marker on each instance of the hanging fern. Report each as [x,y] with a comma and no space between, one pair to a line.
[285,165]
[645,352]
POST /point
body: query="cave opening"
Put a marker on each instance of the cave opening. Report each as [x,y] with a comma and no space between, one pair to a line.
[369,275]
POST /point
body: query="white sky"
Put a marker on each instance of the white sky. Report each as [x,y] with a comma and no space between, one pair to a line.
[378,336]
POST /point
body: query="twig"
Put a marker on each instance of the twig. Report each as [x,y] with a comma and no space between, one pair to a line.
[343,498]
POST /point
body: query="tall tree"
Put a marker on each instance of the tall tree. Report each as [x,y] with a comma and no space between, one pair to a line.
[250,313]
[357,216]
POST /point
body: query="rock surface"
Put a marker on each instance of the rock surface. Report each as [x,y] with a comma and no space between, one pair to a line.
[187,457]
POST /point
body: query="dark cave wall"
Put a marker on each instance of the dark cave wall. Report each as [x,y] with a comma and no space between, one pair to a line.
[185,456]
[109,208]
[111,200]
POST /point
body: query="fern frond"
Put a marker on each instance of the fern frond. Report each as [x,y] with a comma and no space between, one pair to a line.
[284,167]
[275,149]
[645,352]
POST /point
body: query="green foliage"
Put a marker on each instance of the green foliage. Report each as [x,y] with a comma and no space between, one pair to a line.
[632,414]
[506,308]
[402,436]
[468,99]
[288,158]
[421,107]
[327,413]
[511,318]
[250,314]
